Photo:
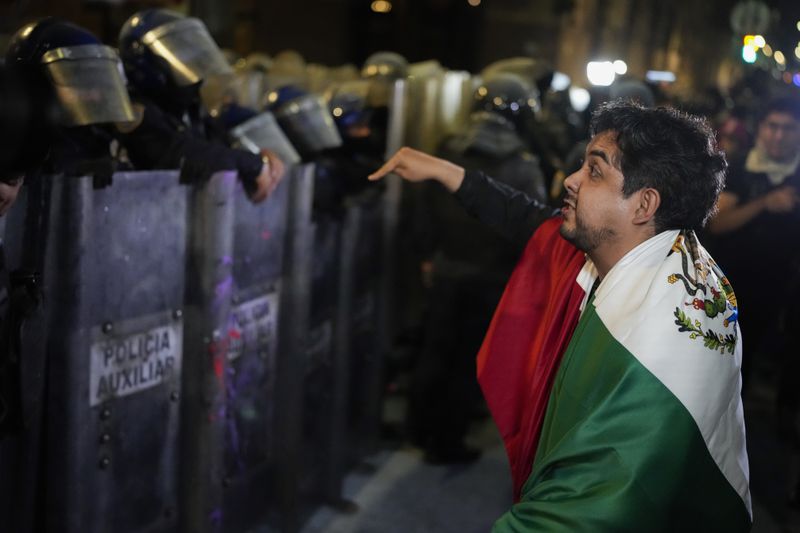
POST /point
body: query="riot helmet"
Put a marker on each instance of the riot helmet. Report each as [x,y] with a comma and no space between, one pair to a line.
[361,125]
[489,134]
[255,132]
[258,61]
[85,75]
[389,65]
[509,96]
[288,68]
[251,79]
[306,120]
[348,104]
[536,72]
[167,54]
[382,69]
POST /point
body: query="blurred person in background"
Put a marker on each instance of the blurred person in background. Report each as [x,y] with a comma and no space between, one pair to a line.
[757,231]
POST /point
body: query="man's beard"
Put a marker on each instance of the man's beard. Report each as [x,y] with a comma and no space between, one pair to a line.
[583,237]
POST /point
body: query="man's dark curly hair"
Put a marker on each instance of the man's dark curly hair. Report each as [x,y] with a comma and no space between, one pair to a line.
[670,151]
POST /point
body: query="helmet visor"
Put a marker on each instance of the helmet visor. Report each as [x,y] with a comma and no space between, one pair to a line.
[189,49]
[89,85]
[309,124]
[262,131]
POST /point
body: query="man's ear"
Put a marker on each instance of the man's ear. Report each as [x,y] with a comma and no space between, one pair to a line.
[648,201]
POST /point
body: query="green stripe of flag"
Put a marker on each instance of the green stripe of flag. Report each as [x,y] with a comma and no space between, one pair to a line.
[619,452]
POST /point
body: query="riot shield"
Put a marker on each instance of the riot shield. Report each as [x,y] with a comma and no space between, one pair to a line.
[292,341]
[114,290]
[207,309]
[325,382]
[258,278]
[363,233]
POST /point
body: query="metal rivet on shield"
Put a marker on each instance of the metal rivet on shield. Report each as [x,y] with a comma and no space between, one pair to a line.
[108,327]
[104,463]
[177,314]
[105,438]
[173,396]
[206,340]
[216,335]
[105,414]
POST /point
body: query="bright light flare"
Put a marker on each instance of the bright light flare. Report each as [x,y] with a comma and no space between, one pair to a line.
[579,98]
[749,53]
[780,58]
[601,73]
[620,67]
[560,82]
[660,76]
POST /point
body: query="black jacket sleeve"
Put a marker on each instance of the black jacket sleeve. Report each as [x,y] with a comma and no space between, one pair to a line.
[506,210]
[158,143]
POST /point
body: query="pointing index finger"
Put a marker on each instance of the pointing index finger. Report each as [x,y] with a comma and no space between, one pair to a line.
[387,167]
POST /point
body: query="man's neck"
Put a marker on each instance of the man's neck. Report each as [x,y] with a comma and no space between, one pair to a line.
[607,255]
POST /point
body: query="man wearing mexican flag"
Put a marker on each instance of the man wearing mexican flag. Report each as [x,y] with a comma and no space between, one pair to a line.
[611,365]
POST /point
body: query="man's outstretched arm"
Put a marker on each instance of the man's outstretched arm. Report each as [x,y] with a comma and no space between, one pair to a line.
[506,210]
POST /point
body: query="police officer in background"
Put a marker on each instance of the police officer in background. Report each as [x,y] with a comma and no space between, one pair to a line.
[176,73]
[467,265]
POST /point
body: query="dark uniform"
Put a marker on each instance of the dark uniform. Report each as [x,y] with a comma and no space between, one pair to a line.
[762,260]
[471,265]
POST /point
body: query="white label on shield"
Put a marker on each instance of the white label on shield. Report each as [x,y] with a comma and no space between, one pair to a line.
[254,326]
[127,364]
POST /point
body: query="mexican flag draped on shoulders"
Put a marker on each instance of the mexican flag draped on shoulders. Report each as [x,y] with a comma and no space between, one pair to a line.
[619,402]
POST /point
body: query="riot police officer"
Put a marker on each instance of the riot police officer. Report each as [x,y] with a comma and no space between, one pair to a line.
[176,74]
[89,88]
[467,266]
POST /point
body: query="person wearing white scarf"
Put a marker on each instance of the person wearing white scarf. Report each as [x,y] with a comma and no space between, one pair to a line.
[757,238]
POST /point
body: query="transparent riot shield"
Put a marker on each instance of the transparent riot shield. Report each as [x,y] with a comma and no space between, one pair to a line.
[209,286]
[325,381]
[393,196]
[114,290]
[364,239]
[253,336]
[290,364]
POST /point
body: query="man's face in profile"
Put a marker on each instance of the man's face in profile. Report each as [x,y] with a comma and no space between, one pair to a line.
[595,209]
[779,136]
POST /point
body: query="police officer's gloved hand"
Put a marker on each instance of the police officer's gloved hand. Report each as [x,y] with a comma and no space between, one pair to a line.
[267,181]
